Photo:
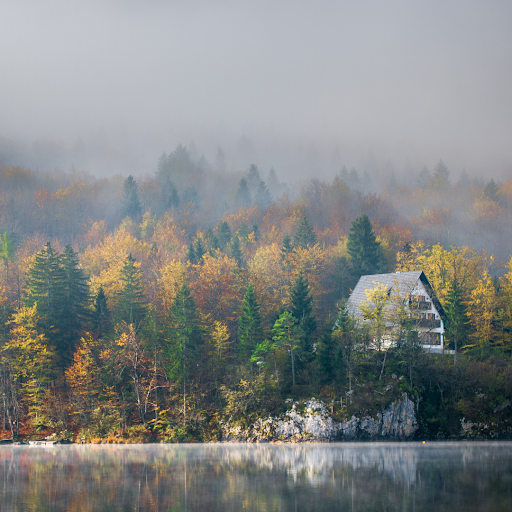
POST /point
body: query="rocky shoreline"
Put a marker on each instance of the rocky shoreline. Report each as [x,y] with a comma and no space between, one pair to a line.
[311,421]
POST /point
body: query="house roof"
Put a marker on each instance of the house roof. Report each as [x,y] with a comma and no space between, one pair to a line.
[403,281]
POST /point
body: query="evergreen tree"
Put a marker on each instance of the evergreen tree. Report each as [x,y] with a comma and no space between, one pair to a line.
[47,288]
[250,329]
[173,200]
[302,310]
[191,254]
[492,191]
[305,235]
[102,321]
[235,251]
[130,206]
[130,306]
[441,178]
[199,249]
[77,299]
[287,336]
[243,195]
[223,234]
[263,198]
[256,231]
[184,348]
[457,327]
[365,252]
[287,246]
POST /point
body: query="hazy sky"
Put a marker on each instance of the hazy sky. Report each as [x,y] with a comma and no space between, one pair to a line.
[295,84]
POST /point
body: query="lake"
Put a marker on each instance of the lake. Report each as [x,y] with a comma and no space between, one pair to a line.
[266,477]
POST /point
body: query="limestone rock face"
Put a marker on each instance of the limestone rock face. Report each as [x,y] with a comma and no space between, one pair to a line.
[310,421]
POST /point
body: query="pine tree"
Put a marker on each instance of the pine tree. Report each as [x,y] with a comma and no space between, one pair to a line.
[102,321]
[191,254]
[235,252]
[243,196]
[173,200]
[130,206]
[287,246]
[199,249]
[130,306]
[263,198]
[365,252]
[47,288]
[492,191]
[250,329]
[305,235]
[287,336]
[457,327]
[77,299]
[441,177]
[302,310]
[223,234]
[184,349]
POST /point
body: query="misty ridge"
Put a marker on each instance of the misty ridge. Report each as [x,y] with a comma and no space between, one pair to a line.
[433,205]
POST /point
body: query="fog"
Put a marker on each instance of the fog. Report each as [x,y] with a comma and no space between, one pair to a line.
[304,86]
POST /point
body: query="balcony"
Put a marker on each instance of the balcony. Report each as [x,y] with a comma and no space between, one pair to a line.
[420,306]
[428,323]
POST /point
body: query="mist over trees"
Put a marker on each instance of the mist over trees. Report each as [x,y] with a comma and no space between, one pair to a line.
[163,301]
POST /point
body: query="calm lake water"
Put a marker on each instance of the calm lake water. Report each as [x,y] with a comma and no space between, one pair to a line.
[365,476]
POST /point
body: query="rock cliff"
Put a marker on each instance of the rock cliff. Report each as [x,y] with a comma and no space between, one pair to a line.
[310,421]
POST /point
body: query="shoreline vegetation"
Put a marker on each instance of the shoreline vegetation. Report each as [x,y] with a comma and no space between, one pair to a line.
[194,304]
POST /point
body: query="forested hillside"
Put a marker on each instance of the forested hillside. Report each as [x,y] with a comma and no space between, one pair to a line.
[155,307]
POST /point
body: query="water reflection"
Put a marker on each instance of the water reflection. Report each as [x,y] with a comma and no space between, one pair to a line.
[476,476]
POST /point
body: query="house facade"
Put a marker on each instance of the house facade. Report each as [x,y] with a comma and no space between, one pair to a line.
[413,291]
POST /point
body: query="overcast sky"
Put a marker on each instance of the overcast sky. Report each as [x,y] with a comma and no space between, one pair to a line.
[304,85]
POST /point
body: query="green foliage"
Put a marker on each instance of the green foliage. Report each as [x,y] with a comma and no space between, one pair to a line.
[365,252]
[102,321]
[250,329]
[130,205]
[301,304]
[130,306]
[223,234]
[305,235]
[59,288]
[235,251]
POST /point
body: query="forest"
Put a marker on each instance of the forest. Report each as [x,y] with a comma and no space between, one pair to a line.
[158,307]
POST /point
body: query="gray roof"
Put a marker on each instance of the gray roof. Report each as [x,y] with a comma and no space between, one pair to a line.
[404,282]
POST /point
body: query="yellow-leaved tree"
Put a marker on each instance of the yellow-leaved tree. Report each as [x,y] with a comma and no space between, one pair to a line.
[31,362]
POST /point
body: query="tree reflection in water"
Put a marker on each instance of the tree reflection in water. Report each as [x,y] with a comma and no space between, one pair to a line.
[371,476]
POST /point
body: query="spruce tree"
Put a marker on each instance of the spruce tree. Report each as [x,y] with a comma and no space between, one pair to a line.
[365,252]
[287,246]
[250,329]
[47,288]
[305,235]
[223,234]
[76,306]
[130,306]
[102,321]
[184,348]
[457,327]
[235,252]
[243,195]
[130,206]
[191,254]
[302,310]
[199,249]
[263,198]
